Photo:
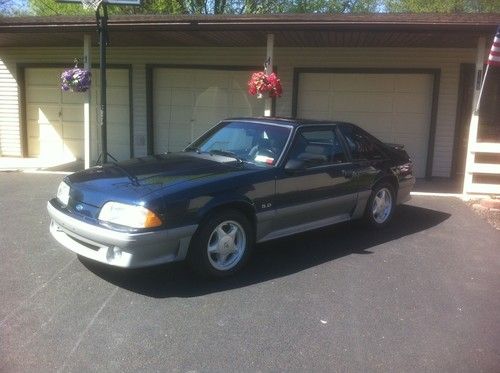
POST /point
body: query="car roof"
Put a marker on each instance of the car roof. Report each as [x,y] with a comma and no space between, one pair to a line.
[295,122]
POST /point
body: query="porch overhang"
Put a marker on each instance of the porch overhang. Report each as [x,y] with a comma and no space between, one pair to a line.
[301,30]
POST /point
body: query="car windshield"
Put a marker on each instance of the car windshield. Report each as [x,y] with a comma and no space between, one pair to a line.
[257,143]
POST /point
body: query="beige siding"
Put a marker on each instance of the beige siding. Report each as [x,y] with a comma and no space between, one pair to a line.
[10,144]
[286,59]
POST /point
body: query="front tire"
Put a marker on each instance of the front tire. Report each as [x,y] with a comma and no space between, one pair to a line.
[380,207]
[222,245]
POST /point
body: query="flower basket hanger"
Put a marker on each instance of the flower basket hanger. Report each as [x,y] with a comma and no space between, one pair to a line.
[261,83]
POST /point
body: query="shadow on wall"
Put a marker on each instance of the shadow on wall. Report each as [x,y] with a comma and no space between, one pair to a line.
[273,259]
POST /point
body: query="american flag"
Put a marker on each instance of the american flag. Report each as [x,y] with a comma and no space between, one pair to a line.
[494,57]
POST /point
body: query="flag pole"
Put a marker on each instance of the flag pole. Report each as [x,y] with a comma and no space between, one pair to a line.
[476,111]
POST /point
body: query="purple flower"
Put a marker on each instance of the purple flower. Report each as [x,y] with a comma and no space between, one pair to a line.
[76,80]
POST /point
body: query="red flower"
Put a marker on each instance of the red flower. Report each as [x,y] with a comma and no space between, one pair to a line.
[261,83]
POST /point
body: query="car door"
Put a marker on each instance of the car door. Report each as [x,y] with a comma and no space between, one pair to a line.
[321,192]
[367,156]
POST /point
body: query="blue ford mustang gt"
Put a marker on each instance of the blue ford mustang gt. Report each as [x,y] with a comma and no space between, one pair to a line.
[245,181]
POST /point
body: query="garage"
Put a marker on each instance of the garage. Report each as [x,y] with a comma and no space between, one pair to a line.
[55,118]
[187,102]
[395,107]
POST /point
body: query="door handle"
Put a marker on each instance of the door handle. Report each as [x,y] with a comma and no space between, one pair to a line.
[349,174]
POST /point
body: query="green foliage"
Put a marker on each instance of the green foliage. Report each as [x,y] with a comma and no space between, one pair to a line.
[440,6]
[51,7]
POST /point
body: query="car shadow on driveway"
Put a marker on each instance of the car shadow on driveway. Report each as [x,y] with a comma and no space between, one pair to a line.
[272,259]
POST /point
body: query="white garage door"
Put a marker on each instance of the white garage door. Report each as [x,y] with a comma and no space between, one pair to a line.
[187,102]
[393,107]
[55,118]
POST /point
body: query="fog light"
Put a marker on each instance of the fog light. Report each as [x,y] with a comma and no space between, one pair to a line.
[117,252]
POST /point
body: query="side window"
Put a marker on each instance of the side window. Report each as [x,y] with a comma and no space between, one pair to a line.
[360,145]
[317,147]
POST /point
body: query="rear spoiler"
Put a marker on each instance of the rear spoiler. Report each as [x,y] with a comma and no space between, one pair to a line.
[394,146]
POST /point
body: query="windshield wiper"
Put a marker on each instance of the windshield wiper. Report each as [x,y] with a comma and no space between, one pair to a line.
[132,178]
[193,149]
[226,153]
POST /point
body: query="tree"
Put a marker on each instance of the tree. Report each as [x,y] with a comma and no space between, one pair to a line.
[448,6]
[51,7]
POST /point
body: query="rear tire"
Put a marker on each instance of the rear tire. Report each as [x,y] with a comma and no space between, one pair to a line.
[380,206]
[222,244]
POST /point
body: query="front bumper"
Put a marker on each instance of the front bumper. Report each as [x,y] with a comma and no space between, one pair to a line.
[121,249]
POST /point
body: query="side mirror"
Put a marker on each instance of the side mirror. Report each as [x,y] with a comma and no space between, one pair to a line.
[294,165]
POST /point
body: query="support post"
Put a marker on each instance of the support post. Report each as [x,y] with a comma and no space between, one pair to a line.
[103,40]
[87,64]
[474,122]
[268,104]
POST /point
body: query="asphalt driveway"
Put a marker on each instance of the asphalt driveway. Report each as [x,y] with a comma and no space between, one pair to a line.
[422,295]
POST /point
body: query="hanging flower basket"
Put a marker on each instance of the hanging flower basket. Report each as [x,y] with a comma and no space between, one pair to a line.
[76,80]
[260,84]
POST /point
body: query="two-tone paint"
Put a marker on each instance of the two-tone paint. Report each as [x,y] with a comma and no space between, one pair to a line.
[184,188]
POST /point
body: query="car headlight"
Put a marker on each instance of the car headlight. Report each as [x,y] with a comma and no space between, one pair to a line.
[63,193]
[129,215]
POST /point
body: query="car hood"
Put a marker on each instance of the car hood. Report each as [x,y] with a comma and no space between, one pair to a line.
[130,181]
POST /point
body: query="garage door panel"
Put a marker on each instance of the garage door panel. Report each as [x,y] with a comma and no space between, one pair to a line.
[362,83]
[413,83]
[242,112]
[183,97]
[181,115]
[73,98]
[410,123]
[315,82]
[73,148]
[72,113]
[73,131]
[411,103]
[393,107]
[178,79]
[47,114]
[361,102]
[211,79]
[213,96]
[242,100]
[180,138]
[43,95]
[55,118]
[43,76]
[319,115]
[187,102]
[209,116]
[44,112]
[315,101]
[239,81]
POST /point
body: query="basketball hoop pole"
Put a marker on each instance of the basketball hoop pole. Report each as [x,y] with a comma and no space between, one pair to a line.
[102,23]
